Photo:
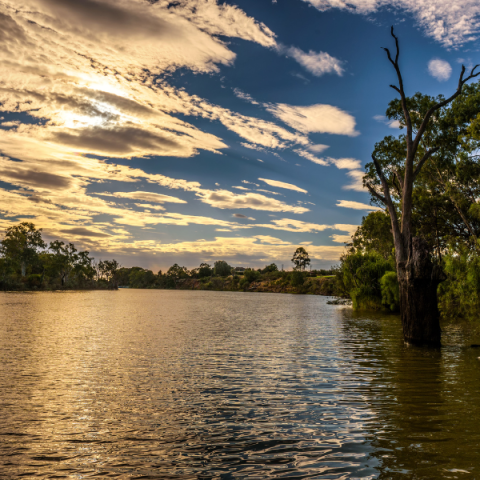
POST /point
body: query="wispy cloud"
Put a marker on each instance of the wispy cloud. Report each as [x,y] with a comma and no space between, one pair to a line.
[145,196]
[244,96]
[387,121]
[316,118]
[356,205]
[288,186]
[451,23]
[317,63]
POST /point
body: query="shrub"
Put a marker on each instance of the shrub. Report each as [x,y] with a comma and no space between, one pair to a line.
[390,292]
[459,294]
[251,275]
[361,274]
[297,278]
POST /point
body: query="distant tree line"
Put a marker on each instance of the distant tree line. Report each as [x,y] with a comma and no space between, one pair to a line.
[28,263]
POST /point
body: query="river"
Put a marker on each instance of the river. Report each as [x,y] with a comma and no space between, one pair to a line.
[201,385]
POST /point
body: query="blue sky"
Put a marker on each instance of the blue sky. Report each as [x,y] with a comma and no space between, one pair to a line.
[191,131]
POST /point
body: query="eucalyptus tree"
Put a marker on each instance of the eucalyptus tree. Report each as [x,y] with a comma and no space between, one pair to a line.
[21,245]
[300,259]
[109,270]
[401,163]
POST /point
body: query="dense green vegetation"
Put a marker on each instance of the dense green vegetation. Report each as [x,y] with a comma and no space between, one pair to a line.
[445,209]
[27,263]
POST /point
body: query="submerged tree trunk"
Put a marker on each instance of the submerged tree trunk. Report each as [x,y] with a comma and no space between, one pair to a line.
[418,280]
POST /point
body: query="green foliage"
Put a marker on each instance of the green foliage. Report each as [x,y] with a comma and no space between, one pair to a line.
[361,274]
[270,268]
[300,259]
[21,245]
[297,278]
[374,235]
[390,292]
[108,271]
[27,263]
[251,275]
[141,278]
[205,270]
[176,273]
[459,294]
[222,268]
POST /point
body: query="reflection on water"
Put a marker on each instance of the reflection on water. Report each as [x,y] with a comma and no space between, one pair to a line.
[218,385]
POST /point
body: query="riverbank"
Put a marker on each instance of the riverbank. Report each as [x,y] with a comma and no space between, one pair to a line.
[310,286]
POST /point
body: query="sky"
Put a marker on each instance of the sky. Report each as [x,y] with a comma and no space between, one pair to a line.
[189,131]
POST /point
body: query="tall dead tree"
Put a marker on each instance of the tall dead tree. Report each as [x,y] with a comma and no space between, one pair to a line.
[418,277]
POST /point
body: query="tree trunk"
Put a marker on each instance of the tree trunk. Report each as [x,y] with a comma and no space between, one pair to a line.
[418,280]
[23,268]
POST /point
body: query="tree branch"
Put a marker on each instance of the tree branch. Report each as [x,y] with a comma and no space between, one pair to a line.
[376,194]
[432,110]
[427,155]
[400,90]
[400,179]
[388,199]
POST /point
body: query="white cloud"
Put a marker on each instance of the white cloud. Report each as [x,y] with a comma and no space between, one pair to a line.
[440,69]
[249,246]
[244,96]
[315,118]
[451,23]
[311,157]
[145,196]
[228,200]
[268,191]
[288,186]
[357,183]
[316,63]
[356,205]
[318,148]
[346,163]
[386,121]
[239,215]
[341,238]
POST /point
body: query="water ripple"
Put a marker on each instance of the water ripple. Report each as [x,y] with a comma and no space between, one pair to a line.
[216,385]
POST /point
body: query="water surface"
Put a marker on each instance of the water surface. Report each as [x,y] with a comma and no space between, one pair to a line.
[218,385]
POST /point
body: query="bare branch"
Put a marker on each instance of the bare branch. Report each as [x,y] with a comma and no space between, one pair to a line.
[427,155]
[389,56]
[400,90]
[396,44]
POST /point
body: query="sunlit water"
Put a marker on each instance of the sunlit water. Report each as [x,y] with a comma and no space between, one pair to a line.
[218,385]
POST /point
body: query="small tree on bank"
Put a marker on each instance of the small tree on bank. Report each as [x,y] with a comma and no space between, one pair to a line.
[418,278]
[300,259]
[222,268]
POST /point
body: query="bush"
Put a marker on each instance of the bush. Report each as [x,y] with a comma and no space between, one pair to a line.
[222,268]
[297,278]
[459,294]
[390,292]
[34,281]
[361,274]
[251,275]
